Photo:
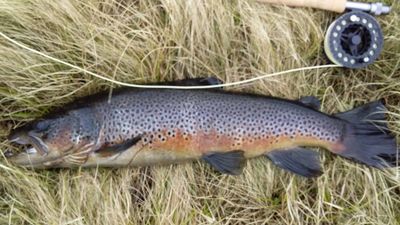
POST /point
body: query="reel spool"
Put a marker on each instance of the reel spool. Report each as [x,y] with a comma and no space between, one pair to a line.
[354,40]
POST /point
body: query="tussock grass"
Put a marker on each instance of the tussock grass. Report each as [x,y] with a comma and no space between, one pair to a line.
[148,41]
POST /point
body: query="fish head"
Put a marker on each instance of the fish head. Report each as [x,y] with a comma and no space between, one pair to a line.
[49,140]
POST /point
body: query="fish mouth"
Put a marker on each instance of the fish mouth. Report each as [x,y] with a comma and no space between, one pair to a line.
[30,158]
[19,140]
[36,153]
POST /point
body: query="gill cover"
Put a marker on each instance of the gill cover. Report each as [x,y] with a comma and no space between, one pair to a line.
[55,137]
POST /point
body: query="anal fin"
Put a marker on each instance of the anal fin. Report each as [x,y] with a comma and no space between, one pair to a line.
[227,162]
[301,161]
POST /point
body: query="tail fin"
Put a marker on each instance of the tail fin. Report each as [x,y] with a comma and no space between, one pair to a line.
[367,139]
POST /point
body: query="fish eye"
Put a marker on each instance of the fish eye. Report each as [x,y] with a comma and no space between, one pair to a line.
[42,126]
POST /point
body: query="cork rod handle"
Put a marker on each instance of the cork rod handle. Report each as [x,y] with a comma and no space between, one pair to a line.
[330,5]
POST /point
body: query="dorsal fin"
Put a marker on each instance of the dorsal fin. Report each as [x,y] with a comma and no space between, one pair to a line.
[311,102]
[201,81]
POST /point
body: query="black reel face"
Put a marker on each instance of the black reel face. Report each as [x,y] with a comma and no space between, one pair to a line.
[354,40]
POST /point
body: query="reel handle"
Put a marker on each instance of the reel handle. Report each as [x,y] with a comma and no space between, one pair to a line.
[330,5]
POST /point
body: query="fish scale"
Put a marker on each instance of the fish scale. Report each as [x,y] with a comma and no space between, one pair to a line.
[241,119]
[141,127]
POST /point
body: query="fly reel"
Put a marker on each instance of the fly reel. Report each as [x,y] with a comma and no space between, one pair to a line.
[354,40]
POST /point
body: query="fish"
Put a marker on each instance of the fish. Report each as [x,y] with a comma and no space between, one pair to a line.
[145,127]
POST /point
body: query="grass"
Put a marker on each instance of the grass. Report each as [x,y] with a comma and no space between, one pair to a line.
[148,41]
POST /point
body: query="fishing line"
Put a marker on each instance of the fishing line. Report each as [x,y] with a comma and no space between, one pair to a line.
[165,86]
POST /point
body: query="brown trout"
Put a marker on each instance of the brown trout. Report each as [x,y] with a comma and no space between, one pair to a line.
[142,127]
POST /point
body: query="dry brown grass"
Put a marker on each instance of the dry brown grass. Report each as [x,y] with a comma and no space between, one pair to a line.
[146,41]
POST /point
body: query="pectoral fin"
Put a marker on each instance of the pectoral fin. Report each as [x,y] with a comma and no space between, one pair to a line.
[118,148]
[301,161]
[227,162]
[311,102]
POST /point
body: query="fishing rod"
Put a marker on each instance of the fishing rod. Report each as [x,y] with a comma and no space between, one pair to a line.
[355,39]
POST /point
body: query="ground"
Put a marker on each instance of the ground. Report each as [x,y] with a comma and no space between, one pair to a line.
[148,41]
